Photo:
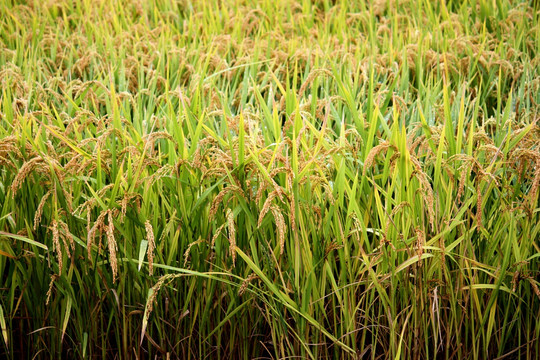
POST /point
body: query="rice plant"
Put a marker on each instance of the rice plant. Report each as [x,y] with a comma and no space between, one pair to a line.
[231,179]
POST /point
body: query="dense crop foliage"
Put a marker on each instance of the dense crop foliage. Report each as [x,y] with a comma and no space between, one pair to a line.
[270,179]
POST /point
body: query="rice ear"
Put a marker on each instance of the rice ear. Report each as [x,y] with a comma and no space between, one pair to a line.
[232,235]
[57,247]
[151,246]
[373,153]
[111,244]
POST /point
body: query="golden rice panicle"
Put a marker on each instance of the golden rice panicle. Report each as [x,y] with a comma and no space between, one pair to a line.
[67,236]
[155,290]
[39,211]
[427,190]
[232,235]
[49,292]
[312,75]
[123,207]
[393,160]
[188,250]
[151,246]
[536,182]
[373,153]
[24,171]
[281,227]
[217,201]
[216,235]
[421,241]
[465,168]
[429,197]
[266,207]
[535,287]
[478,205]
[246,283]
[98,226]
[260,192]
[8,146]
[515,280]
[56,243]
[111,244]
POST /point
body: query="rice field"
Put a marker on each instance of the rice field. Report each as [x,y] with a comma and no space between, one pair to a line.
[273,179]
